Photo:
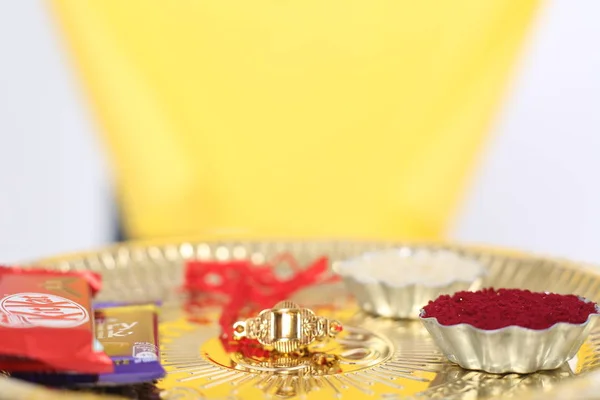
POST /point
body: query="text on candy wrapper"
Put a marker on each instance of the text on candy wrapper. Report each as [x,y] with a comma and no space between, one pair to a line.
[23,310]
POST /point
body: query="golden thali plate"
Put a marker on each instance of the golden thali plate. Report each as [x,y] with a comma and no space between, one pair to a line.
[374,357]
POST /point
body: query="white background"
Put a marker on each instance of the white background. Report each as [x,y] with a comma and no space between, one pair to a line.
[537,187]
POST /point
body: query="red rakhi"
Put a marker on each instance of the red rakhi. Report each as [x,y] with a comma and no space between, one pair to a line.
[248,288]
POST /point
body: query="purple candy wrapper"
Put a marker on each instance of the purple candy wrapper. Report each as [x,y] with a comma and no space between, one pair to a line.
[129,335]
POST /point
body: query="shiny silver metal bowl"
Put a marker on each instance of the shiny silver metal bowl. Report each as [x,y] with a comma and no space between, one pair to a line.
[513,349]
[386,298]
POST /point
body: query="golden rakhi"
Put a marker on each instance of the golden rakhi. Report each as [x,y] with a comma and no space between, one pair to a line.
[287,327]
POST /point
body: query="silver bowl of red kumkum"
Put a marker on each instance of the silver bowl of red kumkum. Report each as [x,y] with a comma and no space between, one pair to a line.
[395,283]
[511,349]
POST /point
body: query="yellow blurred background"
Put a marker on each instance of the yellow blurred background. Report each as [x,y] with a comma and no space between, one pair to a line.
[337,119]
[361,119]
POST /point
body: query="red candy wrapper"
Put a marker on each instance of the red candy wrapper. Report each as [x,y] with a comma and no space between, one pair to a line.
[46,322]
[247,288]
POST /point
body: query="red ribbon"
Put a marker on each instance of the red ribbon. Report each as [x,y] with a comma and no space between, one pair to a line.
[248,288]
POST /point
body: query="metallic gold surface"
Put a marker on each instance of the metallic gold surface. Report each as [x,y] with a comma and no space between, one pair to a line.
[372,358]
[287,327]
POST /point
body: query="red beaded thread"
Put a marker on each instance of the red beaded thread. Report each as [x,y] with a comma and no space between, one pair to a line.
[247,288]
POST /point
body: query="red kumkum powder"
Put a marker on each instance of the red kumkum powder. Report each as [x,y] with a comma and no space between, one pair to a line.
[494,309]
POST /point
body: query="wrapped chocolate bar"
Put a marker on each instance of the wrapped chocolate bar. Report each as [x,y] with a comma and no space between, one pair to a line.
[46,323]
[129,335]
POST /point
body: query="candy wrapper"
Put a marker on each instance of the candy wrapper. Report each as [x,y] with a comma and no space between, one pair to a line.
[46,323]
[129,335]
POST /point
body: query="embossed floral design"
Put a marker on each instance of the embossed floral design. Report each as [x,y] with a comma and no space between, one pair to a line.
[309,327]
